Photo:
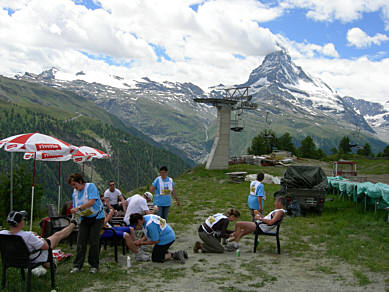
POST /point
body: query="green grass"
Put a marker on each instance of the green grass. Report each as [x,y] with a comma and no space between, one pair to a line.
[343,233]
[363,280]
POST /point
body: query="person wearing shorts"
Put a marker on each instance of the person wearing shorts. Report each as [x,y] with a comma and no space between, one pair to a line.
[159,234]
[33,241]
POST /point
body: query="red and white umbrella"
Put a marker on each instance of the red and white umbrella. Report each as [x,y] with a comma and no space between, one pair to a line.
[40,144]
[86,153]
[36,142]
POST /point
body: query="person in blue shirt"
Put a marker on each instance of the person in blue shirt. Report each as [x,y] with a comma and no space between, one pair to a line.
[87,203]
[164,188]
[158,233]
[256,196]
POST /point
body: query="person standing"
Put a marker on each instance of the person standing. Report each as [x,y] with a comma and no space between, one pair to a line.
[213,230]
[256,196]
[112,196]
[164,188]
[87,203]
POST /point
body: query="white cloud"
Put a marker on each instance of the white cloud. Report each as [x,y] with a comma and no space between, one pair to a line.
[352,77]
[202,45]
[343,10]
[358,38]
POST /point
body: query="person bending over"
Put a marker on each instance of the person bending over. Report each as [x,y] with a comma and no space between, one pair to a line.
[34,242]
[127,233]
[262,223]
[138,204]
[213,229]
[158,233]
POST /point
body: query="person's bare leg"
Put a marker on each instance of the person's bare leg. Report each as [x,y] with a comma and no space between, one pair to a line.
[243,228]
[132,233]
[59,235]
[130,242]
[168,256]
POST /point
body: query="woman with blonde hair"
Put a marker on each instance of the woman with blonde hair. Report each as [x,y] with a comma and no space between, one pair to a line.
[213,230]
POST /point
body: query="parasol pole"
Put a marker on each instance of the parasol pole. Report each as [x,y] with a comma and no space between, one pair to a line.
[91,172]
[59,185]
[32,192]
[83,167]
[12,185]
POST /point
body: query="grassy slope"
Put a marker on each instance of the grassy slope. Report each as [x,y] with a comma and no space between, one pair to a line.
[342,233]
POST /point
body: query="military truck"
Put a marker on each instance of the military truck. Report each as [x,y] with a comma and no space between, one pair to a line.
[304,188]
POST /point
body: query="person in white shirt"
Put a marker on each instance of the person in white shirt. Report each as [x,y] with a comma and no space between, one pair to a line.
[262,223]
[138,204]
[33,241]
[112,196]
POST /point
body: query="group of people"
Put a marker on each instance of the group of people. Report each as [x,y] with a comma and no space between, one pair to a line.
[213,232]
[156,232]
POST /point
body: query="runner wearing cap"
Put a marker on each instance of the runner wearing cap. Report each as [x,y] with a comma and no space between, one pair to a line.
[34,242]
[138,204]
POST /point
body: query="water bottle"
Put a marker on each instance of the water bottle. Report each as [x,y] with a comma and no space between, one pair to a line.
[238,252]
[128,262]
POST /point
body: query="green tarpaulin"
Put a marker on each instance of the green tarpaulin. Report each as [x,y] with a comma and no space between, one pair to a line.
[378,192]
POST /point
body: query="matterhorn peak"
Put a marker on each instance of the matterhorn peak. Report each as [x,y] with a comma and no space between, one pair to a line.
[48,74]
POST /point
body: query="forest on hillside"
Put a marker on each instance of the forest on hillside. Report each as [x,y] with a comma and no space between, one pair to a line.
[133,162]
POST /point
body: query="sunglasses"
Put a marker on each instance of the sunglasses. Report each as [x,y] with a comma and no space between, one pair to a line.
[111,185]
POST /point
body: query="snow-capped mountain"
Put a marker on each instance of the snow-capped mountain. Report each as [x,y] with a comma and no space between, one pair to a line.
[279,81]
[376,115]
[165,111]
[159,110]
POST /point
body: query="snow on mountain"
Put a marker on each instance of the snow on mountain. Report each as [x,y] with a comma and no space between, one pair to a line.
[376,115]
[166,112]
[279,81]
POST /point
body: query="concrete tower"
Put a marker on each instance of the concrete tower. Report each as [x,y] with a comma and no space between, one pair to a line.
[235,99]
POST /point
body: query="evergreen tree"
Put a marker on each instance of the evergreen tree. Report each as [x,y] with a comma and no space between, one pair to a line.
[258,146]
[285,143]
[386,151]
[334,150]
[344,145]
[22,180]
[308,148]
[365,151]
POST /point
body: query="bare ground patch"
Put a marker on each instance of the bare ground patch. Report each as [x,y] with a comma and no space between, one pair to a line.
[265,270]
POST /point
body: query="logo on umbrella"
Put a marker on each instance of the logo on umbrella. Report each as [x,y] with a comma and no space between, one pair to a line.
[46,147]
[48,156]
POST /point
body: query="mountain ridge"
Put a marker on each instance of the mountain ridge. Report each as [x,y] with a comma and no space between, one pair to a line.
[166,111]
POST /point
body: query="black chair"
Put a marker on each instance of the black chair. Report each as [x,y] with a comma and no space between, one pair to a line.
[57,222]
[115,240]
[274,232]
[14,253]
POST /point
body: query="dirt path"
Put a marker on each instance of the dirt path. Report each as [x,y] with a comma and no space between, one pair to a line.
[262,271]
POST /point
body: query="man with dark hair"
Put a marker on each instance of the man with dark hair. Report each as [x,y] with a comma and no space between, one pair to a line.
[34,242]
[164,188]
[112,196]
[264,223]
[158,233]
[256,196]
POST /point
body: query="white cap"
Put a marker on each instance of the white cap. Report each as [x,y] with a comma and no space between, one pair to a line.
[148,195]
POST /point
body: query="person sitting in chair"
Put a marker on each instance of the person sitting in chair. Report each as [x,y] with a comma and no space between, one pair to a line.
[261,223]
[34,242]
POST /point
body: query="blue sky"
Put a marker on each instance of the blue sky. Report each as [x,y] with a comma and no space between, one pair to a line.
[206,42]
